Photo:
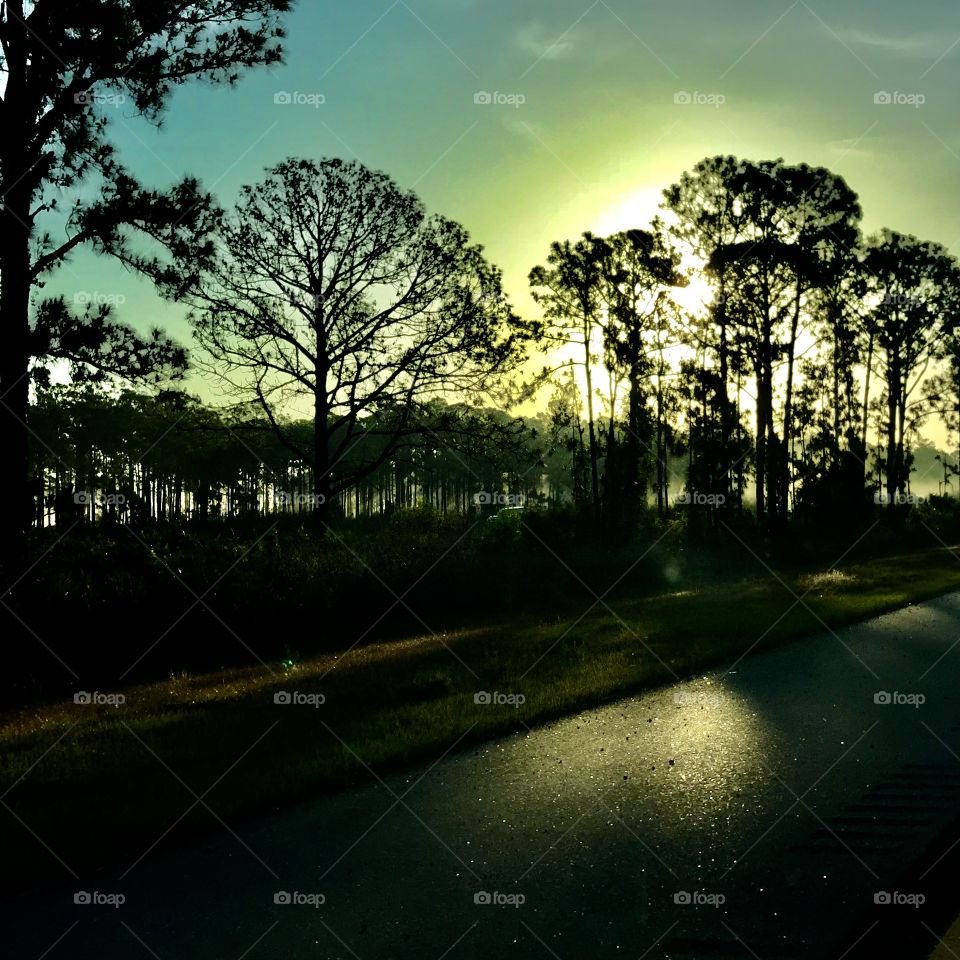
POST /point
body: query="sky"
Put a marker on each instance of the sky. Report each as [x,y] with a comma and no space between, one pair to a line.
[587,110]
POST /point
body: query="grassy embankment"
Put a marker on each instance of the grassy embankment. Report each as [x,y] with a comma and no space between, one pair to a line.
[95,785]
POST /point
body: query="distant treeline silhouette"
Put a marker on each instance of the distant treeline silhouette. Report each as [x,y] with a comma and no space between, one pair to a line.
[800,388]
[807,378]
[133,458]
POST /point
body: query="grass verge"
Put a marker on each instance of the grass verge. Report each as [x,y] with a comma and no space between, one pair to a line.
[88,784]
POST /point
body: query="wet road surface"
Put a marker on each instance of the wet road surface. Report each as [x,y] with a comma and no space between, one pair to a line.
[757,811]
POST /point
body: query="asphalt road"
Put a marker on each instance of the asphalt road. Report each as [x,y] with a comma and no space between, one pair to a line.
[752,812]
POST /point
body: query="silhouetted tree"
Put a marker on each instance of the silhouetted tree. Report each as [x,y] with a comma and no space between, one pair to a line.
[63,63]
[639,271]
[569,292]
[708,216]
[915,289]
[333,287]
[771,241]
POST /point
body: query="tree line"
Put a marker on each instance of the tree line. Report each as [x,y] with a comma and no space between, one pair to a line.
[359,332]
[805,380]
[801,383]
[133,457]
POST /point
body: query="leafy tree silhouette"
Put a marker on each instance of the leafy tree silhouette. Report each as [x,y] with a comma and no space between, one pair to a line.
[915,289]
[640,269]
[569,290]
[769,232]
[333,288]
[63,63]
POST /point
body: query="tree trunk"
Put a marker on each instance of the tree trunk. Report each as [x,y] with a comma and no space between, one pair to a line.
[893,471]
[761,456]
[14,374]
[835,326]
[594,475]
[766,472]
[723,398]
[866,404]
[15,236]
[661,442]
[322,481]
[321,459]
[784,464]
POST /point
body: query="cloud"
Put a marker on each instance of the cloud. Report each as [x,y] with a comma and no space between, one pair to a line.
[535,39]
[851,147]
[905,45]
